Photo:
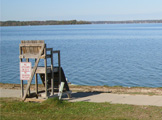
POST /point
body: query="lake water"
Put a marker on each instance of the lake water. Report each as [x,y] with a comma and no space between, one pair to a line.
[107,54]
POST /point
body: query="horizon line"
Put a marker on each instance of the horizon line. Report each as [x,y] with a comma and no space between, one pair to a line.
[86,20]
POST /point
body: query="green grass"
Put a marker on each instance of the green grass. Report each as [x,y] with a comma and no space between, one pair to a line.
[12,109]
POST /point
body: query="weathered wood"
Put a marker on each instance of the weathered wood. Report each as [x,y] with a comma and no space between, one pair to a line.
[59,63]
[22,84]
[45,65]
[36,84]
[42,70]
[31,48]
[33,56]
[30,44]
[38,50]
[56,51]
[33,72]
[49,49]
[27,60]
[32,41]
[52,78]
[22,88]
[42,76]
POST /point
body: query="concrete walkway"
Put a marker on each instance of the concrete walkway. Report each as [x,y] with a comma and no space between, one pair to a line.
[9,93]
[100,97]
[118,98]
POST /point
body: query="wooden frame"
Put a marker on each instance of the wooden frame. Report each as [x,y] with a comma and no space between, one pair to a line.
[36,49]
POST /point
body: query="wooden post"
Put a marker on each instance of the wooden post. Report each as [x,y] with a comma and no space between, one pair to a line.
[22,84]
[59,63]
[22,88]
[45,65]
[36,82]
[52,73]
[27,60]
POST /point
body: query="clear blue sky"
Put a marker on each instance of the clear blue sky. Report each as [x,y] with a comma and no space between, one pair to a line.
[81,10]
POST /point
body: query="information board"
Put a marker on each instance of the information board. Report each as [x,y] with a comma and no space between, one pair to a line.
[25,70]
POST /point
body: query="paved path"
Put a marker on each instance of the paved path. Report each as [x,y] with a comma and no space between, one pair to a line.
[118,98]
[100,97]
[9,93]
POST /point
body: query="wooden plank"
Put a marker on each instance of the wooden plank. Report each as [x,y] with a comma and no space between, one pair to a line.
[52,77]
[27,60]
[59,63]
[32,41]
[42,70]
[36,84]
[22,88]
[49,49]
[33,72]
[22,84]
[30,44]
[45,65]
[33,56]
[28,56]
[56,51]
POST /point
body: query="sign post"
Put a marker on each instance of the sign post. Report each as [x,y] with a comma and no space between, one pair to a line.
[25,70]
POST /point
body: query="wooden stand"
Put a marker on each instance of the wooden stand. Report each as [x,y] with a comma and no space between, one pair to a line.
[37,50]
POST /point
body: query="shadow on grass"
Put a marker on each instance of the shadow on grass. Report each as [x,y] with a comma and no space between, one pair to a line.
[79,95]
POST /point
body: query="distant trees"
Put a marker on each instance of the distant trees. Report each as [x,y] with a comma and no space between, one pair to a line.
[51,22]
[72,22]
[126,22]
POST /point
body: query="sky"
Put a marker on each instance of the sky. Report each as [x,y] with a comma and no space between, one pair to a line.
[89,10]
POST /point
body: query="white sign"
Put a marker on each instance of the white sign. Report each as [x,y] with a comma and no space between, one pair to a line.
[25,70]
[61,90]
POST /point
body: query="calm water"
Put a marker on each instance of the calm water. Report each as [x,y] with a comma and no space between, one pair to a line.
[121,54]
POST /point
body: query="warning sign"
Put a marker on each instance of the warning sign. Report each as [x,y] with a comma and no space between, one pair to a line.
[25,70]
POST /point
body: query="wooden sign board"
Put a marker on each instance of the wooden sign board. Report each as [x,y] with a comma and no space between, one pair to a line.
[25,70]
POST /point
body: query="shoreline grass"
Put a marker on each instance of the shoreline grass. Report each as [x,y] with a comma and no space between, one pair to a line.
[115,86]
[107,89]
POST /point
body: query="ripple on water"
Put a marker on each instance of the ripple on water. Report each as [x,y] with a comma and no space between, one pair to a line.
[115,55]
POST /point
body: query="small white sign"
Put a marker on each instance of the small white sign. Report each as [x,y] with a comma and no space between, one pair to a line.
[61,90]
[25,70]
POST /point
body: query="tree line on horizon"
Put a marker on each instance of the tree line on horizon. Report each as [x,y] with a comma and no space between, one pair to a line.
[72,22]
[126,22]
[50,22]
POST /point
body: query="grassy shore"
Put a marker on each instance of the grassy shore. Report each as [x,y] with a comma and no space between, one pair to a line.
[106,89]
[53,108]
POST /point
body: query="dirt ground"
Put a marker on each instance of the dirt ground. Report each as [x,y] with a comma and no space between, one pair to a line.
[104,89]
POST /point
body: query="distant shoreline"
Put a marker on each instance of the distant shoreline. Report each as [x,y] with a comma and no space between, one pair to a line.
[73,22]
[126,22]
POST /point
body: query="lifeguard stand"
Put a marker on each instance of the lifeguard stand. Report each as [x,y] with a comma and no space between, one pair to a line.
[51,76]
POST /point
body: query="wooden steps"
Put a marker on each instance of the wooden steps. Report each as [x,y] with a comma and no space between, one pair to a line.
[56,78]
